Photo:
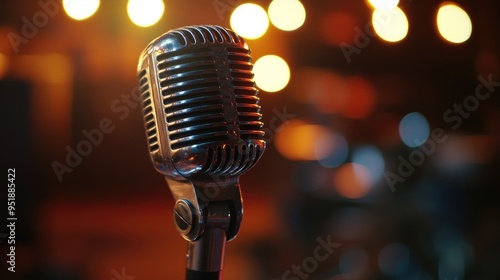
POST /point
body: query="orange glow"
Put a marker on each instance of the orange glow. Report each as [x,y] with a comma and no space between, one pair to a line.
[352,180]
[361,98]
[338,27]
[3,64]
[298,140]
[353,97]
[328,92]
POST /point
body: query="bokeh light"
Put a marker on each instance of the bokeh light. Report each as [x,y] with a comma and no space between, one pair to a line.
[390,25]
[80,9]
[338,150]
[287,15]
[352,180]
[297,140]
[454,23]
[371,158]
[249,21]
[394,259]
[384,4]
[272,73]
[145,13]
[414,129]
[353,97]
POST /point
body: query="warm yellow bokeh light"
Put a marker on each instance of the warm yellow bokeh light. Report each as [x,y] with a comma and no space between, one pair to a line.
[287,15]
[454,23]
[249,21]
[383,4]
[80,9]
[145,13]
[298,140]
[271,73]
[391,26]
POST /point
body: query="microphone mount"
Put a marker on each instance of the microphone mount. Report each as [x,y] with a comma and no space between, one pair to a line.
[207,214]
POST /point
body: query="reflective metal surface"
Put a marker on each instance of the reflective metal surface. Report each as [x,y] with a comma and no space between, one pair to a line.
[204,129]
[200,103]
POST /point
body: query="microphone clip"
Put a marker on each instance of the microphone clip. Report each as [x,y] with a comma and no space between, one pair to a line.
[207,214]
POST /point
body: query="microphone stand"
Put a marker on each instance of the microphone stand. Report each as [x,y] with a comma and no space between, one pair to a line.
[206,214]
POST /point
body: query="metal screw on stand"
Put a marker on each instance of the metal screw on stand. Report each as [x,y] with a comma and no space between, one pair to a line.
[183,215]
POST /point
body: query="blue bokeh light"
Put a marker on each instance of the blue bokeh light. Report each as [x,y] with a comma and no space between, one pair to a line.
[370,157]
[414,129]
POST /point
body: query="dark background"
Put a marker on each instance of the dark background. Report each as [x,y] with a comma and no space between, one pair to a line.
[113,211]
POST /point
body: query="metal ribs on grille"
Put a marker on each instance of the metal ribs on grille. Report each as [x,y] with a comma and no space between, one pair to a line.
[205,34]
[147,107]
[191,85]
[231,160]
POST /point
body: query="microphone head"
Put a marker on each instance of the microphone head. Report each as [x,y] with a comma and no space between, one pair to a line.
[201,110]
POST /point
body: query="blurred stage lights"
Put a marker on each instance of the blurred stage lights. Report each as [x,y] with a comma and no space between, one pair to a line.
[414,129]
[249,21]
[145,13]
[352,180]
[383,4]
[271,73]
[298,140]
[453,23]
[353,97]
[335,147]
[80,9]
[287,15]
[390,25]
[371,158]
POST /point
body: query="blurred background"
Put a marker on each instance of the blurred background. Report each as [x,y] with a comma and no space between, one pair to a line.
[382,120]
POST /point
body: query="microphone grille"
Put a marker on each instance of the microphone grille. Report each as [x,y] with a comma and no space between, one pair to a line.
[207,88]
[202,34]
[200,104]
[232,160]
[148,112]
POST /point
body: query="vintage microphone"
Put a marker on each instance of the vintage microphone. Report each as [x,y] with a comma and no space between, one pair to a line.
[204,129]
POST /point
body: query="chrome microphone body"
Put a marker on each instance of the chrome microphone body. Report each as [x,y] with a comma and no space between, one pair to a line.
[204,129]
